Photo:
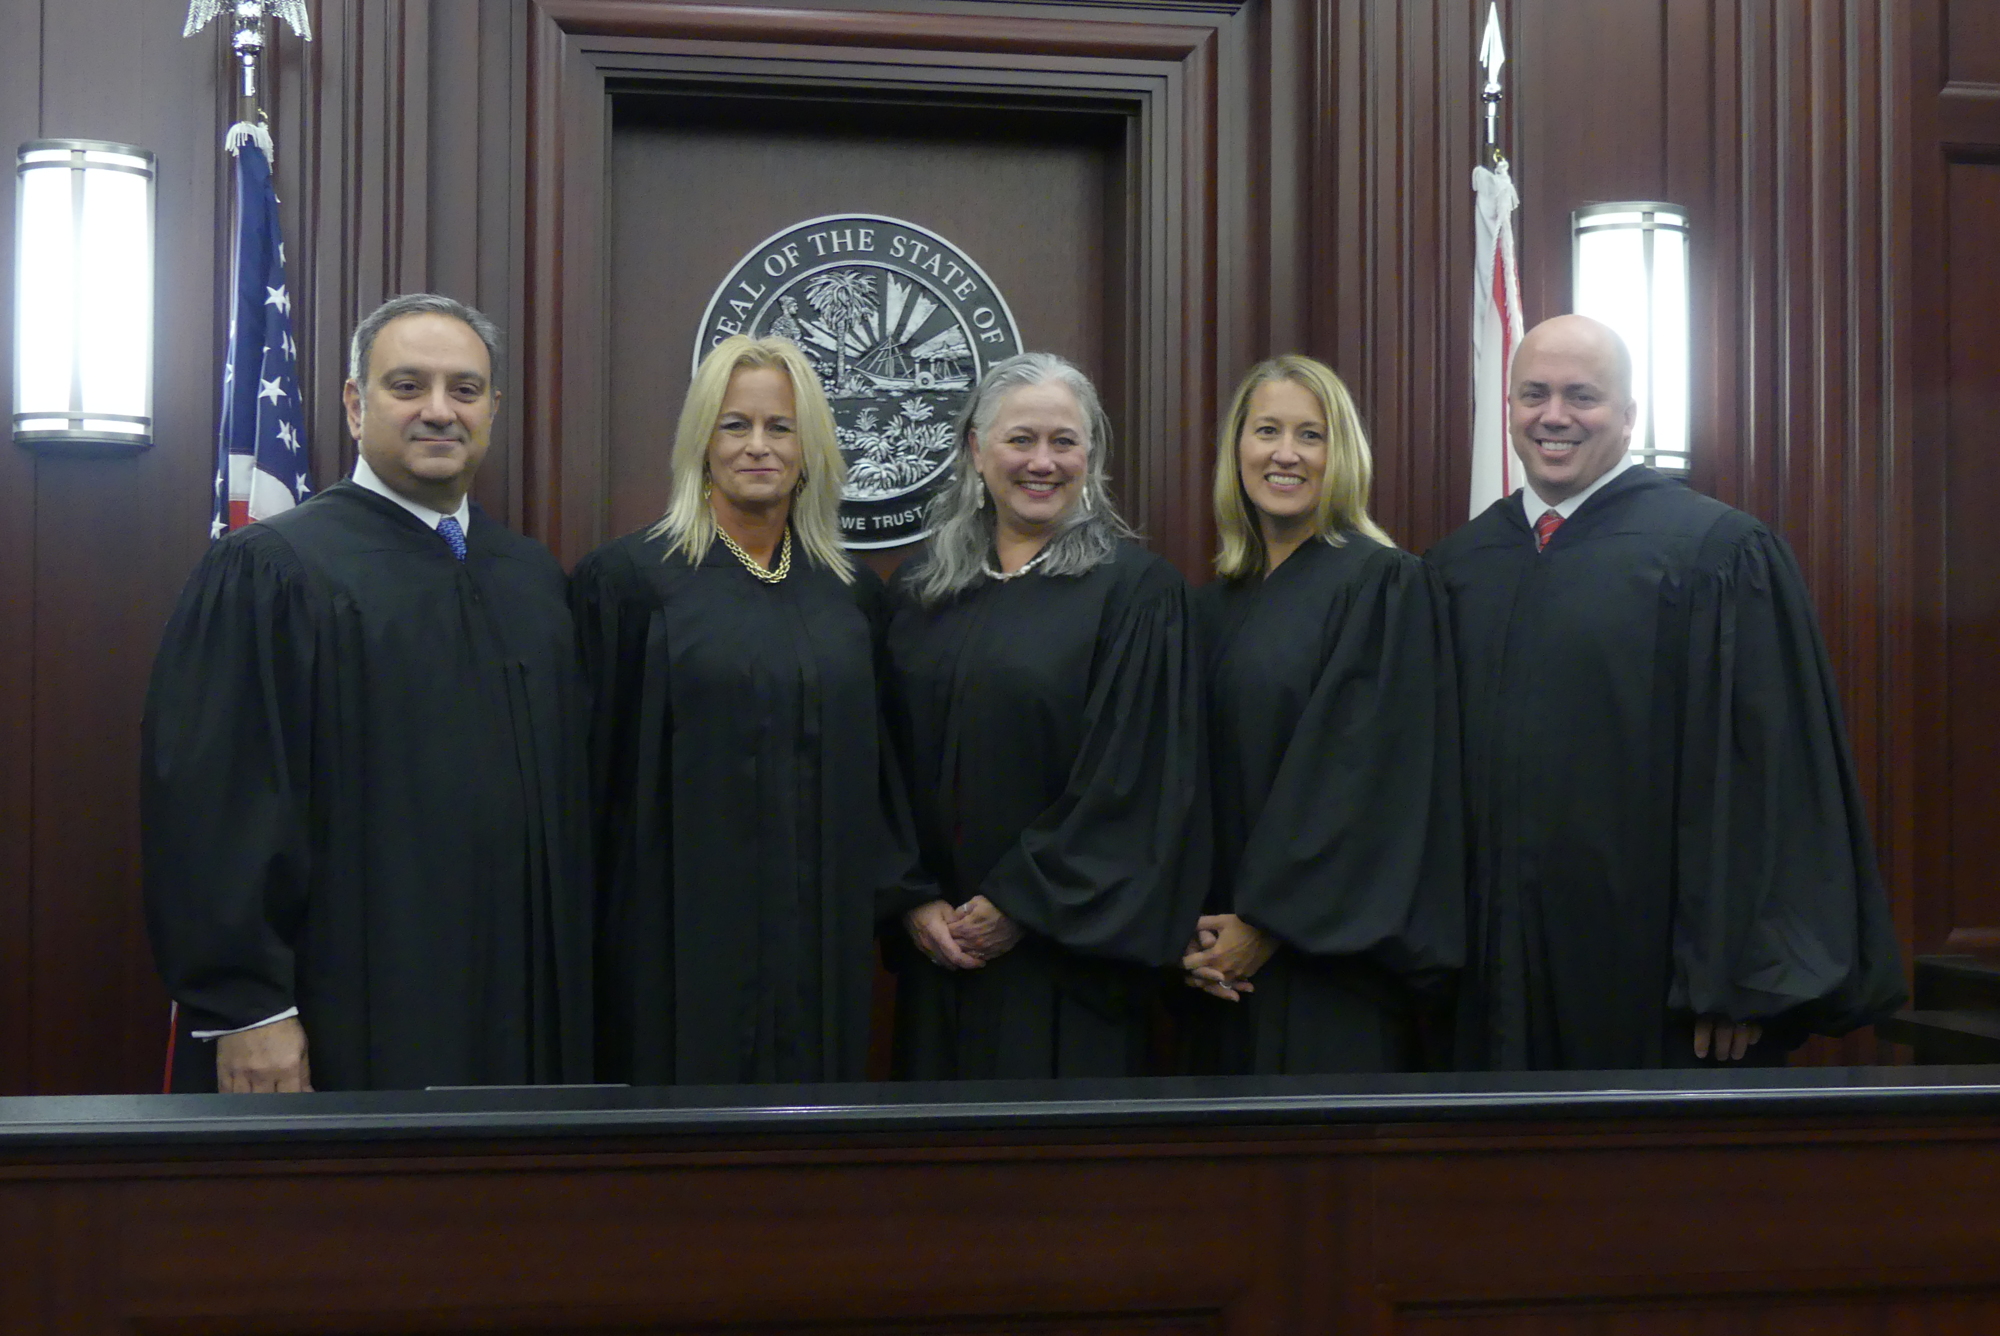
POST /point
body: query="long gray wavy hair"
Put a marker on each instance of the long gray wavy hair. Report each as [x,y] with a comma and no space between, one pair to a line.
[962,517]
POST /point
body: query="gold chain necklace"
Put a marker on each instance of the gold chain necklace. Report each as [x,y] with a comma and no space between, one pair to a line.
[770,577]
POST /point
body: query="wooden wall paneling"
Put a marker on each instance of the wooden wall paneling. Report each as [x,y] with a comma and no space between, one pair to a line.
[1279,170]
[1767,1315]
[115,539]
[1969,41]
[1907,710]
[1969,114]
[1198,354]
[1393,210]
[1933,826]
[1836,1224]
[20,121]
[1857,495]
[563,445]
[1972,573]
[1701,146]
[1954,141]
[310,126]
[497,239]
[1589,84]
[1808,1220]
[53,1243]
[938,1246]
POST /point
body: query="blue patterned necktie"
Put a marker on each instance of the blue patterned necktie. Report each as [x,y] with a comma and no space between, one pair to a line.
[453,536]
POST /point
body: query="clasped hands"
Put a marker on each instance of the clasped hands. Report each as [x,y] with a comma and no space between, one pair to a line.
[964,938]
[1730,1041]
[1222,955]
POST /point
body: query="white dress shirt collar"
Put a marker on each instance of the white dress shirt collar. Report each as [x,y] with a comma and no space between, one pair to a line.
[1533,507]
[364,476]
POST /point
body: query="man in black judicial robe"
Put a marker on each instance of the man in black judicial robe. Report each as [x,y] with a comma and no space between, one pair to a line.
[1670,858]
[364,786]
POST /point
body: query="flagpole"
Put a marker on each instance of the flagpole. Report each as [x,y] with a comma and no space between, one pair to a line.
[260,438]
[1496,306]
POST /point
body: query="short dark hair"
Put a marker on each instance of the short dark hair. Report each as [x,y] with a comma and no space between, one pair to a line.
[419,303]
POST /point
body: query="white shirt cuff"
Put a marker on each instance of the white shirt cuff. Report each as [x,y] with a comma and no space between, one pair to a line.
[284,1015]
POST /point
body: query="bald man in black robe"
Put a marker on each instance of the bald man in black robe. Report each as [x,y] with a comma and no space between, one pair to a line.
[1671,864]
[364,786]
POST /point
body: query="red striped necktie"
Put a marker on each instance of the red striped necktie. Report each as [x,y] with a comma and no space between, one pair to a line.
[1545,528]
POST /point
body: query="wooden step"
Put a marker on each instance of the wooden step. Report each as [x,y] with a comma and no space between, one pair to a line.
[1945,1036]
[1957,983]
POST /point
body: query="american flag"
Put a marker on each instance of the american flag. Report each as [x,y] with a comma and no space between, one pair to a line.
[260,465]
[260,449]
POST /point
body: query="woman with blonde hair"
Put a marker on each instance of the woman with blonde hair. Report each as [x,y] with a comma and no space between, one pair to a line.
[1045,699]
[1338,897]
[741,836]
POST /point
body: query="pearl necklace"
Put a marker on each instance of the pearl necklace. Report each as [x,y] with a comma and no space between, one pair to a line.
[779,572]
[1026,566]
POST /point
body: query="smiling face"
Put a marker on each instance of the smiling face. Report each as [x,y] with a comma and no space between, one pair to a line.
[1281,454]
[424,418]
[1033,456]
[1569,405]
[754,452]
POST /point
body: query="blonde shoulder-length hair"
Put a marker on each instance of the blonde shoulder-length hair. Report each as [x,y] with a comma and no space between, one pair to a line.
[1343,495]
[689,524]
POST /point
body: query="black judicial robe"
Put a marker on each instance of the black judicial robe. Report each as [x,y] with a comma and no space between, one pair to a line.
[364,794]
[1333,723]
[1051,731]
[744,838]
[1664,815]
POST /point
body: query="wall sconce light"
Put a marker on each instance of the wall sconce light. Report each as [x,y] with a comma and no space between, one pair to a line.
[83,284]
[1631,272]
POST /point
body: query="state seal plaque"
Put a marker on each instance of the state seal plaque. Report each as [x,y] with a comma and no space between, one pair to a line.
[900,324]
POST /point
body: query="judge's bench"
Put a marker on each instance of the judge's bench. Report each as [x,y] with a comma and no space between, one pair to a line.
[1804,1200]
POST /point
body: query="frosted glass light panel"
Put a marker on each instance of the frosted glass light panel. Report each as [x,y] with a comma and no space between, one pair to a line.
[1632,273]
[83,283]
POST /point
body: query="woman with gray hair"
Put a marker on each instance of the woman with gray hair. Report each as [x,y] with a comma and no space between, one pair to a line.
[1045,703]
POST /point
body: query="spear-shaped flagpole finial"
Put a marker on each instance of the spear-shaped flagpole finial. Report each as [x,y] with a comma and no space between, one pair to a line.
[248,41]
[1492,55]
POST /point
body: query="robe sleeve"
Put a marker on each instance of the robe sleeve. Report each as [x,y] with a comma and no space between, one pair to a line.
[1780,913]
[225,784]
[621,643]
[901,883]
[1359,848]
[614,617]
[1117,866]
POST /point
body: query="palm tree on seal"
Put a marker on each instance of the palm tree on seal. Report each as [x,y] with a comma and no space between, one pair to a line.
[841,296]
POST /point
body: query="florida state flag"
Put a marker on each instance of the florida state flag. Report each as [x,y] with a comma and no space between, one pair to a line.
[1496,332]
